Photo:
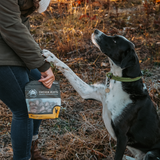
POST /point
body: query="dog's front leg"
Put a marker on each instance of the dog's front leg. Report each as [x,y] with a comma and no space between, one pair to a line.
[121,146]
[86,91]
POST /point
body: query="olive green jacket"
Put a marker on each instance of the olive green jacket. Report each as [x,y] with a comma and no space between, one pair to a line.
[17,46]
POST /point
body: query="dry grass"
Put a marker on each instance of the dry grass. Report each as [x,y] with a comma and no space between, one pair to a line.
[62,30]
[79,133]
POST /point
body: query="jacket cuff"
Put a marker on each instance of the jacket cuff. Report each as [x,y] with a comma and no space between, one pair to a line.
[44,67]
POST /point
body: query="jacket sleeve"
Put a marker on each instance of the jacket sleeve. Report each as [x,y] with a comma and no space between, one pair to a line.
[18,37]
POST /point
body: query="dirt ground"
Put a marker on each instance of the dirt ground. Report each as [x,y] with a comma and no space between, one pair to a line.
[79,132]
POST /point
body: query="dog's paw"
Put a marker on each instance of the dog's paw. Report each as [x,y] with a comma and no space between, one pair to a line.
[128,158]
[151,156]
[46,53]
[49,59]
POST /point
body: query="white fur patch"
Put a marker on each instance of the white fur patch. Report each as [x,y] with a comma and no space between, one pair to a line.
[128,158]
[94,41]
[116,70]
[96,36]
[137,153]
[106,115]
[115,101]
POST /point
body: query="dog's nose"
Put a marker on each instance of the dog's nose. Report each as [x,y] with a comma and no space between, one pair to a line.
[96,31]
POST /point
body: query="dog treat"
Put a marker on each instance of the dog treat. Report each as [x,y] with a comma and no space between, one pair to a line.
[42,103]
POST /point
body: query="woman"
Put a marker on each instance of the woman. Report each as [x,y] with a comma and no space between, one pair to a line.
[20,62]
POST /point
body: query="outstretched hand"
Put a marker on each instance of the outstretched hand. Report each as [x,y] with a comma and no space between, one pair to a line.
[47,78]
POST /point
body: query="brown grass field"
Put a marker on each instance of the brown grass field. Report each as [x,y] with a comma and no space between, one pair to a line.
[65,29]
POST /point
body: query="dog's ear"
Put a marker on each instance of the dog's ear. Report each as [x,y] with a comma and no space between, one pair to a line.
[129,59]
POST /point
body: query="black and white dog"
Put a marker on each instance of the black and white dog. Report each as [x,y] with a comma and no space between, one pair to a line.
[128,112]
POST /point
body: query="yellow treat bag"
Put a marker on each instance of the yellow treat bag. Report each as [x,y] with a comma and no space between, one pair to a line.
[42,103]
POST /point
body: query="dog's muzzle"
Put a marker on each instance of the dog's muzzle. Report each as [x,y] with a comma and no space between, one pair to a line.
[96,35]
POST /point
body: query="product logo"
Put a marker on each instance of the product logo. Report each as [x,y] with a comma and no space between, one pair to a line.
[32,93]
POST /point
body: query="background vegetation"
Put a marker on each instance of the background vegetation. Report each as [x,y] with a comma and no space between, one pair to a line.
[65,29]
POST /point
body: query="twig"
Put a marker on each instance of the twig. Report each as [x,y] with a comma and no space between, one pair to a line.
[77,155]
[89,51]
[95,61]
[77,50]
[97,153]
[73,117]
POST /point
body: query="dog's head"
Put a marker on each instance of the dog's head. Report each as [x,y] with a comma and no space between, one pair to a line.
[117,48]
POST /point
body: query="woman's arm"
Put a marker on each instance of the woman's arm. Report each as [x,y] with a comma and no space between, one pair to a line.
[17,36]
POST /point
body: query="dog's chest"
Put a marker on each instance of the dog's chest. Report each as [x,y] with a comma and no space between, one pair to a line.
[114,104]
[117,99]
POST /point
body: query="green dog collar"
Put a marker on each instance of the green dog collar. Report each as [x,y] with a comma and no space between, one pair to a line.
[122,79]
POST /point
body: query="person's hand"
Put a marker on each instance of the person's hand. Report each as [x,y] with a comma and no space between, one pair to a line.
[47,78]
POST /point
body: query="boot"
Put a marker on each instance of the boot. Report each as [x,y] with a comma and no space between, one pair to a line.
[35,155]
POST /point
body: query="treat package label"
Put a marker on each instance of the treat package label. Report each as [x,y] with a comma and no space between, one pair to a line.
[42,103]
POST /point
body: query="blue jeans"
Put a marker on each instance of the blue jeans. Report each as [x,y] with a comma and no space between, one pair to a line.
[12,85]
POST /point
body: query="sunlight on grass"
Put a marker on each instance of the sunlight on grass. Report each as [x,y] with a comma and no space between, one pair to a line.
[67,26]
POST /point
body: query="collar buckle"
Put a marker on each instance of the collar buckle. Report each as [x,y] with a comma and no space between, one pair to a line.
[109,75]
